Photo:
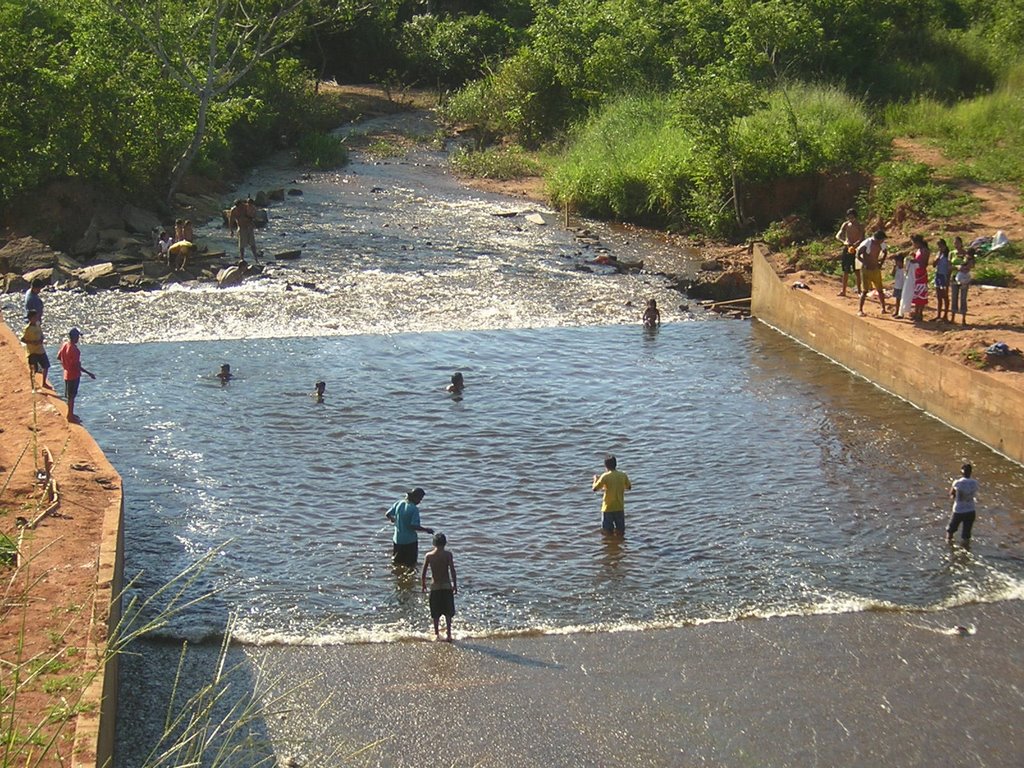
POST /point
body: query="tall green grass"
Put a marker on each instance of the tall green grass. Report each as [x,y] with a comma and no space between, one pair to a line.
[635,160]
[984,135]
[630,162]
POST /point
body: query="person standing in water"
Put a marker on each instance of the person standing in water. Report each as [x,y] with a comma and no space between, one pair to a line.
[444,585]
[318,391]
[224,374]
[242,217]
[652,315]
[405,515]
[614,484]
[962,492]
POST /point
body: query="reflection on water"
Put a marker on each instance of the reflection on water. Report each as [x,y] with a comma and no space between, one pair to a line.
[766,480]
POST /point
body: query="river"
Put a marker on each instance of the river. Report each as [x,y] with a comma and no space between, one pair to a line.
[766,480]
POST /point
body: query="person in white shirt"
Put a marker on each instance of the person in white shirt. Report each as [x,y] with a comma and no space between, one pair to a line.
[962,492]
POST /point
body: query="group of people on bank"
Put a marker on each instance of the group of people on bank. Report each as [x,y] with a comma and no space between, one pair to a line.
[69,354]
[864,257]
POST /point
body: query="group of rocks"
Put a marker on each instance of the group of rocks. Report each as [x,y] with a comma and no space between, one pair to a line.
[118,250]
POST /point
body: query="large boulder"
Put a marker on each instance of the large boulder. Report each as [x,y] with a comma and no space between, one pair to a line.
[98,275]
[14,283]
[26,254]
[49,275]
[233,275]
[139,221]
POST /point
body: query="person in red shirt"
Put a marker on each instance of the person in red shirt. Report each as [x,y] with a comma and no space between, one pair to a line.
[71,358]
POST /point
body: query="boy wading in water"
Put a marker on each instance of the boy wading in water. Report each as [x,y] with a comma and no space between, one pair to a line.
[613,505]
[443,585]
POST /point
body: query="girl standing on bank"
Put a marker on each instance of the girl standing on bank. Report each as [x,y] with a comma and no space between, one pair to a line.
[922,254]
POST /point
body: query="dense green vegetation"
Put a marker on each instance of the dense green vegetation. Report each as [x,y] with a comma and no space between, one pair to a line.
[666,110]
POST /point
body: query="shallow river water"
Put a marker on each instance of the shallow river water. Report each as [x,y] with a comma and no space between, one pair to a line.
[766,480]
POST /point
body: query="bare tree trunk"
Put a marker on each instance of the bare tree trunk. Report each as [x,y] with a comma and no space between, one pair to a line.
[188,157]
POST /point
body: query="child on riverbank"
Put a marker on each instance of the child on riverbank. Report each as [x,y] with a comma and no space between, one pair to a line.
[443,585]
[71,358]
[32,338]
[899,277]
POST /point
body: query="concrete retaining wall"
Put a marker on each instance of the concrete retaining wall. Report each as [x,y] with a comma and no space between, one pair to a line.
[972,401]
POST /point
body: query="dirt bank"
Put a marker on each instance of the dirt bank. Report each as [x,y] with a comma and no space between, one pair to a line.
[47,620]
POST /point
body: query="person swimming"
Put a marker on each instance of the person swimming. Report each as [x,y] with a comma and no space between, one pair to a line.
[318,391]
[225,374]
[457,384]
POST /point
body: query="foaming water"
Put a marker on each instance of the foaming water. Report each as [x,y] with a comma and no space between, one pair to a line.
[759,487]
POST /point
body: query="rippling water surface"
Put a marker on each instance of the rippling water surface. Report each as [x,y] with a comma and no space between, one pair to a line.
[766,480]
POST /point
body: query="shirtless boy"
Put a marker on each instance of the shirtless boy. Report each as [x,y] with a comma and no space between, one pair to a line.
[850,234]
[443,585]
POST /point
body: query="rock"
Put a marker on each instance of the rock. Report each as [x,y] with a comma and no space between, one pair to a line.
[629,265]
[14,283]
[287,255]
[26,254]
[260,218]
[155,269]
[720,286]
[98,275]
[295,192]
[139,221]
[90,240]
[46,273]
[137,282]
[712,265]
[261,199]
[535,218]
[277,195]
[229,276]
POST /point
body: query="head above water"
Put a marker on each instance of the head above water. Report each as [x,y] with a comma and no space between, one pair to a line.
[320,387]
[440,539]
[610,463]
[226,368]
[415,495]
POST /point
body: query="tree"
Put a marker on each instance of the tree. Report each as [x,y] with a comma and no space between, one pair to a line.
[207,48]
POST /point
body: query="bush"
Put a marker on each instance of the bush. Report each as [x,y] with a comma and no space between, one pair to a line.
[909,187]
[322,150]
[805,129]
[990,274]
[495,163]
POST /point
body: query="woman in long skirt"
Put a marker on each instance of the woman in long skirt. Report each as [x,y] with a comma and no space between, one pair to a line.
[921,256]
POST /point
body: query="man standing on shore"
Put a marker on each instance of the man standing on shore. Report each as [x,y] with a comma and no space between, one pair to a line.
[71,358]
[405,515]
[850,234]
[242,217]
[33,300]
[872,253]
[613,506]
[962,492]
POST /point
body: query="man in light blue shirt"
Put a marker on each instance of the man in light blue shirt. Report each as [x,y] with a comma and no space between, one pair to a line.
[405,515]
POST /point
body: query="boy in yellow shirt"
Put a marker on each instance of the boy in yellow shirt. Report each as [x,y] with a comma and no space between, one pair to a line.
[613,506]
[32,338]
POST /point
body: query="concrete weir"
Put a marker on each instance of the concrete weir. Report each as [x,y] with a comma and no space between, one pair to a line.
[982,406]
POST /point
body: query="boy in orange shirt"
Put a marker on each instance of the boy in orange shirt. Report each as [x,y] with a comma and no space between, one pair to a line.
[71,358]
